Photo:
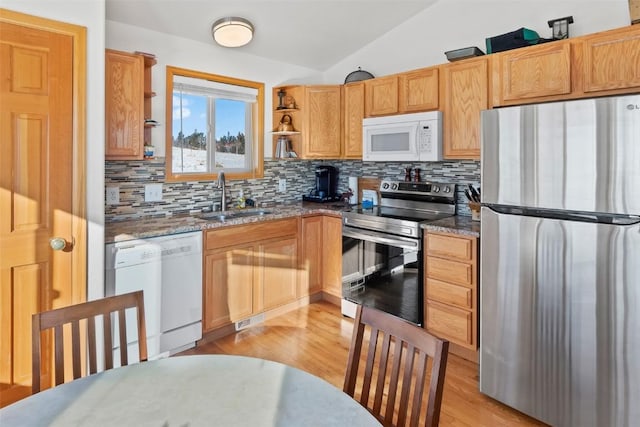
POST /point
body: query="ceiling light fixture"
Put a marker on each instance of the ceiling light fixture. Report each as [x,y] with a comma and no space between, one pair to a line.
[232,31]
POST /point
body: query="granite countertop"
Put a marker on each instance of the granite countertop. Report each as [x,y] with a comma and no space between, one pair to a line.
[145,227]
[459,224]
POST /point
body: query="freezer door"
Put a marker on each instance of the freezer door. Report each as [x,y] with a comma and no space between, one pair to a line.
[579,155]
[560,319]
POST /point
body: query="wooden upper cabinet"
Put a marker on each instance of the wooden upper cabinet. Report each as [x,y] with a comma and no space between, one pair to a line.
[124,105]
[322,132]
[612,60]
[464,91]
[381,96]
[352,115]
[418,90]
[532,73]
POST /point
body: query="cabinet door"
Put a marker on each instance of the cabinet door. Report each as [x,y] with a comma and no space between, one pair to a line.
[353,97]
[228,286]
[381,96]
[332,255]
[311,262]
[418,90]
[532,73]
[612,60]
[464,93]
[323,133]
[124,105]
[278,271]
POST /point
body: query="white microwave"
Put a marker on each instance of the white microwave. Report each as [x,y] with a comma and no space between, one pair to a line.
[415,137]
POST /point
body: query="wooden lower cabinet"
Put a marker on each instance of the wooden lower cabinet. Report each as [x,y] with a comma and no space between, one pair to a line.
[321,255]
[244,274]
[311,256]
[228,290]
[278,271]
[451,290]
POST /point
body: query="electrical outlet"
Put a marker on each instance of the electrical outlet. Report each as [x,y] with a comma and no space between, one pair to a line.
[113,195]
[282,185]
[153,192]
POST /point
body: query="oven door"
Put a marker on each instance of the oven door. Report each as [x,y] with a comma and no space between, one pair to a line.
[383,271]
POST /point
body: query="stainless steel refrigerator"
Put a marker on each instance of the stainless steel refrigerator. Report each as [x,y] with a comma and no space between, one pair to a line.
[560,260]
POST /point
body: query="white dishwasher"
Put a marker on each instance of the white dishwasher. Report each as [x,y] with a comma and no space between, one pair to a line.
[169,271]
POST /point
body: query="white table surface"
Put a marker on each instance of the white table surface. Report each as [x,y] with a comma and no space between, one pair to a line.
[212,390]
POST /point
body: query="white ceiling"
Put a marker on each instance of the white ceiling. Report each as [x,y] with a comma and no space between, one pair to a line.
[311,33]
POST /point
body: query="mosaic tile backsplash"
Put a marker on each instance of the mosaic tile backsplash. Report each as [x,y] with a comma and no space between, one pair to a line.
[184,197]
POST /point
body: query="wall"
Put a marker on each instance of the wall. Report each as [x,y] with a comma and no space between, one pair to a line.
[451,24]
[90,14]
[189,197]
[184,53]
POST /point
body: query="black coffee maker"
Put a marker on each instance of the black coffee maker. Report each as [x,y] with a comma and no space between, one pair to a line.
[326,189]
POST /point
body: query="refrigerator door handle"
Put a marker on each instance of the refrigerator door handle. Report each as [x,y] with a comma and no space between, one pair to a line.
[595,217]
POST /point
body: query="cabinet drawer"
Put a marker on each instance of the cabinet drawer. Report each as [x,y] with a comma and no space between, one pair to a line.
[449,271]
[449,294]
[240,234]
[450,323]
[449,246]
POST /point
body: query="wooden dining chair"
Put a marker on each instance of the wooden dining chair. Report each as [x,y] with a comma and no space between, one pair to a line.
[76,315]
[396,360]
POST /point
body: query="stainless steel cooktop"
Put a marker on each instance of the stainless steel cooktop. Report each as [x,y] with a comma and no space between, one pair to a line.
[404,206]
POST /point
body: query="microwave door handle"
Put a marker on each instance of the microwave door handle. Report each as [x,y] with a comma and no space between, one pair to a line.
[418,153]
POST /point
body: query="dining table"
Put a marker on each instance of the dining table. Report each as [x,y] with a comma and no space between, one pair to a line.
[198,390]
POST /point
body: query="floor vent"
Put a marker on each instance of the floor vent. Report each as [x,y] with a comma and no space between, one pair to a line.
[245,323]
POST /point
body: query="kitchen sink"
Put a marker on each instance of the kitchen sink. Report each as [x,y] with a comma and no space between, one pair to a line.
[223,216]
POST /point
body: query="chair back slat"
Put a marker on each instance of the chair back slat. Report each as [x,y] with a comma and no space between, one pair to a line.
[371,355]
[142,330]
[59,353]
[108,341]
[435,391]
[419,389]
[393,381]
[75,349]
[122,324]
[91,337]
[397,356]
[382,371]
[78,315]
[406,383]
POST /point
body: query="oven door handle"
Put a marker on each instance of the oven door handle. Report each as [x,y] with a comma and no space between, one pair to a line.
[385,239]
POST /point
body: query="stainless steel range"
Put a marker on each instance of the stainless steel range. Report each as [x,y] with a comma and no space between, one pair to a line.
[382,247]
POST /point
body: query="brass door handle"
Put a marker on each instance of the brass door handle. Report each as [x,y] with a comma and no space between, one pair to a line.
[57,243]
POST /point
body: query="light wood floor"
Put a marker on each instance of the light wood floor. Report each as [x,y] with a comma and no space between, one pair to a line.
[316,339]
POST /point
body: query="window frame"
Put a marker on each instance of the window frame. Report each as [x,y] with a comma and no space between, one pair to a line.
[257,149]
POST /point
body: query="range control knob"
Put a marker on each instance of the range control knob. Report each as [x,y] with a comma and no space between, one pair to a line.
[447,189]
[436,189]
[385,185]
[394,186]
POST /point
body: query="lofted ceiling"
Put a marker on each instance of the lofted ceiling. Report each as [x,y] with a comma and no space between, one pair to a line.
[314,34]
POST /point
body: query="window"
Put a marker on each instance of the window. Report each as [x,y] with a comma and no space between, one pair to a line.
[216,124]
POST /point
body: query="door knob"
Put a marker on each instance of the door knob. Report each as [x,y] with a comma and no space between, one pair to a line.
[57,243]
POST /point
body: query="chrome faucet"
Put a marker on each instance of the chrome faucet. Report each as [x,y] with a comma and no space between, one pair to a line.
[222,186]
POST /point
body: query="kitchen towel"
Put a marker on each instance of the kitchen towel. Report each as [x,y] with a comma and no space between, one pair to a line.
[353,186]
